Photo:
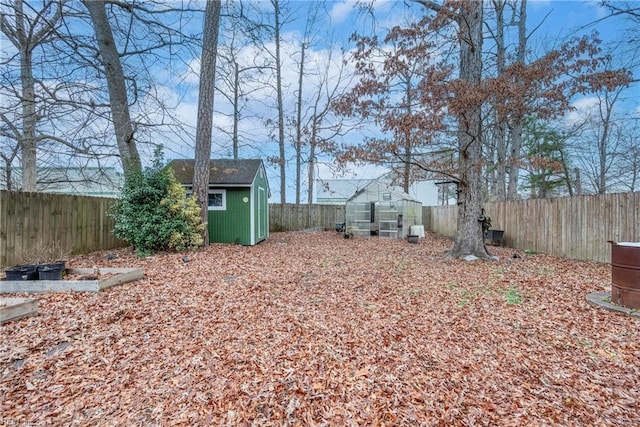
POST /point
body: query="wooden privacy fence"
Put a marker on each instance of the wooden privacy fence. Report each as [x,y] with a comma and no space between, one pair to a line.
[291,217]
[576,227]
[30,222]
[573,227]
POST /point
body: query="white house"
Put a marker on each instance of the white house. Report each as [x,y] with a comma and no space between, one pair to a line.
[338,191]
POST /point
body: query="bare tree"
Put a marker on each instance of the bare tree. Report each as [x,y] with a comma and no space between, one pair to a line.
[239,71]
[205,111]
[26,32]
[321,126]
[123,127]
[629,164]
[519,116]
[277,15]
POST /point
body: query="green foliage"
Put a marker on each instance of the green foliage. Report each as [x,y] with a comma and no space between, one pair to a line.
[545,159]
[154,214]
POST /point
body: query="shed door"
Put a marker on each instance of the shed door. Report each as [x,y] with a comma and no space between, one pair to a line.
[262,197]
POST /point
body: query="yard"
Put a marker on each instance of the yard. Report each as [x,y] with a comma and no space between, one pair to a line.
[314,329]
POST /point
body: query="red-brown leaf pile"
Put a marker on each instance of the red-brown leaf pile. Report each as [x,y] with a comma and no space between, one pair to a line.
[314,329]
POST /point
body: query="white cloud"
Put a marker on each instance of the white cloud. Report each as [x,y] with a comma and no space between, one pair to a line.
[341,10]
[583,108]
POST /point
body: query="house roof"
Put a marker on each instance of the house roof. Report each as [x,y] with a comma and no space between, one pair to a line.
[86,181]
[338,190]
[222,171]
[378,189]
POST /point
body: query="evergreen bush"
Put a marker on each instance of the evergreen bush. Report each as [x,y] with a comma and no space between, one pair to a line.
[154,214]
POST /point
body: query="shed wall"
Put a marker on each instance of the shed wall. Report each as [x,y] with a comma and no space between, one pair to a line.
[233,224]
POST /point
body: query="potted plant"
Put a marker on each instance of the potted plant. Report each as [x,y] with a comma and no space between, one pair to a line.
[22,272]
[48,260]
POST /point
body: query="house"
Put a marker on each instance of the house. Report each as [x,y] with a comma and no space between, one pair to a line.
[87,181]
[338,191]
[378,209]
[238,198]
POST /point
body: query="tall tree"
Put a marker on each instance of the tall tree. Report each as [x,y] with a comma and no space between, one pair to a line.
[402,90]
[518,116]
[116,84]
[298,124]
[205,111]
[466,106]
[240,69]
[321,126]
[27,32]
[629,172]
[277,16]
[545,165]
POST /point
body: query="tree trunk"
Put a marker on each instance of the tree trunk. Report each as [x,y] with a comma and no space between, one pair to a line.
[25,36]
[119,104]
[576,172]
[469,237]
[299,126]
[603,142]
[282,160]
[514,158]
[236,112]
[501,128]
[311,174]
[408,146]
[29,121]
[518,118]
[204,125]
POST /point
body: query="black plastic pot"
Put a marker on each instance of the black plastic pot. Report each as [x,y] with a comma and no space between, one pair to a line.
[51,271]
[22,272]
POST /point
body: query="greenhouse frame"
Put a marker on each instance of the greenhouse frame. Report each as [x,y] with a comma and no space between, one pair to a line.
[378,210]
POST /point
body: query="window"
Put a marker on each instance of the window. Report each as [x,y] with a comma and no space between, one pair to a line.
[217,200]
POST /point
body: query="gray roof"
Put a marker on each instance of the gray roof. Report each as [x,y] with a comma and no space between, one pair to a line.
[375,191]
[86,181]
[222,171]
[338,190]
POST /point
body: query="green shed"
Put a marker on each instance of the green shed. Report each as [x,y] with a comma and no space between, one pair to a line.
[238,198]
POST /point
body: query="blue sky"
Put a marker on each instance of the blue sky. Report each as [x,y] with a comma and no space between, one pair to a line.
[178,82]
[557,21]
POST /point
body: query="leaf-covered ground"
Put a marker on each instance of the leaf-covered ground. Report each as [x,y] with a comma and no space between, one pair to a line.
[313,329]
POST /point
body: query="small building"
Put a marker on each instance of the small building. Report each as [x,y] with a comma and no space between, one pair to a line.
[238,198]
[338,191]
[380,210]
[86,181]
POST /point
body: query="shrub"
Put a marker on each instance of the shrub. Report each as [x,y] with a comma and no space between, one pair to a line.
[154,214]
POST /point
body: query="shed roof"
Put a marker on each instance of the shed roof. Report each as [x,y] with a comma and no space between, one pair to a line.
[221,171]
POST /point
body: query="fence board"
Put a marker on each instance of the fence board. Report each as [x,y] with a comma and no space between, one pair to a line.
[291,217]
[37,220]
[576,227]
[573,227]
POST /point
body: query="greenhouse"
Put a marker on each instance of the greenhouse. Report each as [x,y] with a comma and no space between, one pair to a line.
[378,210]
